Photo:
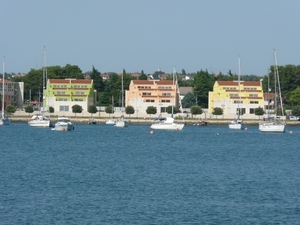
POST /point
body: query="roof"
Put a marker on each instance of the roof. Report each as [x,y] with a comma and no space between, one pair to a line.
[70,81]
[151,82]
[235,83]
[185,90]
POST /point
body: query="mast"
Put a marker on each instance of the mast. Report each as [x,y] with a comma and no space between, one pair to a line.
[279,89]
[3,71]
[174,71]
[239,89]
[122,92]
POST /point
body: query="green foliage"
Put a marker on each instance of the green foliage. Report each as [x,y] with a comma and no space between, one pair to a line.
[294,96]
[51,109]
[76,109]
[259,111]
[143,76]
[129,110]
[95,75]
[92,109]
[10,109]
[196,110]
[169,110]
[296,110]
[109,109]
[151,110]
[188,100]
[217,111]
[29,109]
[203,83]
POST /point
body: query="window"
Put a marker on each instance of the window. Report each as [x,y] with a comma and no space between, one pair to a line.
[149,100]
[252,111]
[165,101]
[234,95]
[79,93]
[164,87]
[80,86]
[61,93]
[250,88]
[253,102]
[166,94]
[64,108]
[62,99]
[59,86]
[146,93]
[253,95]
[238,102]
[78,100]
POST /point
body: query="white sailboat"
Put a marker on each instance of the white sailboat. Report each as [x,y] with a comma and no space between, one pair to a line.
[169,123]
[121,122]
[40,120]
[238,124]
[4,119]
[111,121]
[273,124]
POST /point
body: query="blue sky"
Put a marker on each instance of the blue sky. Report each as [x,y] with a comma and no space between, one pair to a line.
[146,35]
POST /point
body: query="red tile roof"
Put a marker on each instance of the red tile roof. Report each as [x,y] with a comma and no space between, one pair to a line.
[235,83]
[68,81]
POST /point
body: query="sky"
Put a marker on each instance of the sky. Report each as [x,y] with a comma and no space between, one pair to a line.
[137,35]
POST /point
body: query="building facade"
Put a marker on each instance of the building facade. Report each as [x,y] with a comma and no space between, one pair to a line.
[157,93]
[230,96]
[13,93]
[62,94]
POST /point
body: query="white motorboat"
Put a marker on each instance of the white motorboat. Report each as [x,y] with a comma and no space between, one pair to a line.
[4,120]
[121,122]
[167,124]
[63,124]
[110,122]
[39,120]
[236,125]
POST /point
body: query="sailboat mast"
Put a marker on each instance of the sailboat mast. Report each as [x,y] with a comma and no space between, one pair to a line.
[122,91]
[3,76]
[174,71]
[239,88]
[277,78]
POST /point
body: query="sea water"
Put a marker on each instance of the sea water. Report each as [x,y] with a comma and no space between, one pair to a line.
[100,174]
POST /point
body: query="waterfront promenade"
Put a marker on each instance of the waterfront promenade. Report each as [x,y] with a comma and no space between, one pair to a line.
[102,117]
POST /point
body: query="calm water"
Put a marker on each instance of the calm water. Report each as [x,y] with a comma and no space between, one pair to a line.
[99,174]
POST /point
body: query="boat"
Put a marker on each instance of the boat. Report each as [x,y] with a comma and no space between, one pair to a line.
[200,123]
[273,124]
[121,122]
[110,122]
[63,124]
[4,119]
[92,121]
[237,123]
[169,122]
[40,119]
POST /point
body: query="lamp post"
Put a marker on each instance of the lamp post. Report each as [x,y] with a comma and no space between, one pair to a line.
[223,110]
[95,97]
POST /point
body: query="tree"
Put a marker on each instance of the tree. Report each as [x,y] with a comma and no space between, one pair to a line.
[129,110]
[169,110]
[29,109]
[259,111]
[109,109]
[97,80]
[151,110]
[92,109]
[196,110]
[217,111]
[51,109]
[76,109]
[10,109]
[188,100]
[203,83]
[143,76]
[296,110]
[295,96]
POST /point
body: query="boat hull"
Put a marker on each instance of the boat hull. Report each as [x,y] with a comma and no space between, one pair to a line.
[4,121]
[121,124]
[43,123]
[166,126]
[272,128]
[63,127]
[236,126]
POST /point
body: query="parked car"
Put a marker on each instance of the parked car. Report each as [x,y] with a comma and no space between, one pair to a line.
[294,118]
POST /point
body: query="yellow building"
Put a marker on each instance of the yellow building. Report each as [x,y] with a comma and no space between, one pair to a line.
[157,93]
[228,95]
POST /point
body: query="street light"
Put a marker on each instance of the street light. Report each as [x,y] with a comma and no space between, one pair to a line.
[95,97]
